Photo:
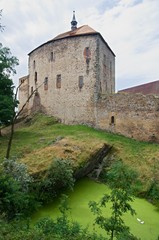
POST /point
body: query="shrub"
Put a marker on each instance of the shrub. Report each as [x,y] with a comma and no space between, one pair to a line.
[59,176]
[16,200]
[18,171]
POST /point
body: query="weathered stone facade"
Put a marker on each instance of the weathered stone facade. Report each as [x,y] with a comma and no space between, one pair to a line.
[74,75]
[74,70]
[132,115]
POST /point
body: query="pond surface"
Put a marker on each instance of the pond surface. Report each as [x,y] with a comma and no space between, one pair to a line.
[86,190]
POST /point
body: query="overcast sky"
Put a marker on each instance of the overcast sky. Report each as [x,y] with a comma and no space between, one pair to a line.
[130,27]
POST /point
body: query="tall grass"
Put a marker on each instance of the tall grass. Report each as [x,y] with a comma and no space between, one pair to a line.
[38,135]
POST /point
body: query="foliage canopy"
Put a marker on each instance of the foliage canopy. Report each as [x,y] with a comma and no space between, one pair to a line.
[7,101]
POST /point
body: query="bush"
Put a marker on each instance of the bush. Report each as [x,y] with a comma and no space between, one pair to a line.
[13,201]
[18,171]
[59,176]
[16,200]
[153,193]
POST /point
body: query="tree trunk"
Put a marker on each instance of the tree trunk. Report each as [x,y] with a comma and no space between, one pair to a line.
[10,140]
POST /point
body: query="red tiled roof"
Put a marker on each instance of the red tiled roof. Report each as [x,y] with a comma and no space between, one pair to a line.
[81,31]
[85,29]
[147,88]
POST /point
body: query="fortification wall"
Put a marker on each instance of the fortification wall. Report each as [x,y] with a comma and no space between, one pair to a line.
[132,115]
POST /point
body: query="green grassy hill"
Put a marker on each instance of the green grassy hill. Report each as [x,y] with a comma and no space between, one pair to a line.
[40,139]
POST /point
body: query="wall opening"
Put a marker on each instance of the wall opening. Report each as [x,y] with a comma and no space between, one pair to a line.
[112,120]
[34,65]
[58,81]
[46,83]
[36,77]
[80,82]
[52,56]
[31,90]
[87,56]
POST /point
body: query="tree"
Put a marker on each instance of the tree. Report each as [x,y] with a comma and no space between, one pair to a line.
[7,101]
[13,201]
[16,114]
[120,179]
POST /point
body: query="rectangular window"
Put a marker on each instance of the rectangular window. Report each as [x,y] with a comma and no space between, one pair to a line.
[80,82]
[31,90]
[46,83]
[87,52]
[52,56]
[35,77]
[34,64]
[58,81]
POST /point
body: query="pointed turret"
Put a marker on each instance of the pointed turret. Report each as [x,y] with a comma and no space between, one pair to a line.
[73,22]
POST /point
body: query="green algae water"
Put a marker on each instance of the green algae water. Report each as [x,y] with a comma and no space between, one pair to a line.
[145,224]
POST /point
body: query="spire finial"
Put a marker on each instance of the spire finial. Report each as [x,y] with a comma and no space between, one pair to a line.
[73,22]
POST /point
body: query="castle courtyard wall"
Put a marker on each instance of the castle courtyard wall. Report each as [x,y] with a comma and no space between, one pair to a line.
[132,115]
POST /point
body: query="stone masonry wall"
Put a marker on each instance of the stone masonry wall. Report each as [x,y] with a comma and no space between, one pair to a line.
[77,61]
[69,102]
[132,115]
[23,92]
[107,69]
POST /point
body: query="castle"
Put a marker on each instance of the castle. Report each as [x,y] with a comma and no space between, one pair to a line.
[74,78]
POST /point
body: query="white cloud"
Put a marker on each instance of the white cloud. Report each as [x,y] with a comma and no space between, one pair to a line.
[129,26]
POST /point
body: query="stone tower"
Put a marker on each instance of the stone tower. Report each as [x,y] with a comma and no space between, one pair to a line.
[70,72]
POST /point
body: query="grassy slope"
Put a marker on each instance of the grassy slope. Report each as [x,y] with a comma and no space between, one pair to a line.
[34,143]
